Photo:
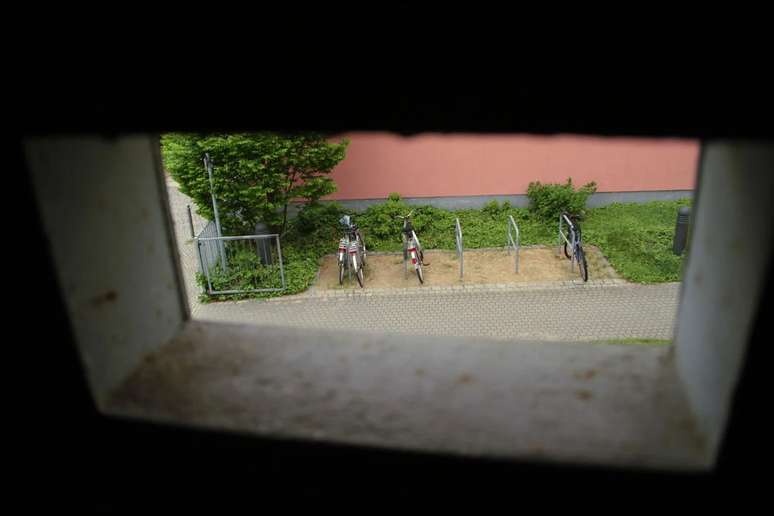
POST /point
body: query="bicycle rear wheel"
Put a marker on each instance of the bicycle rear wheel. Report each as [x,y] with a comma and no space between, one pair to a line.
[582,265]
[420,274]
[566,252]
[341,273]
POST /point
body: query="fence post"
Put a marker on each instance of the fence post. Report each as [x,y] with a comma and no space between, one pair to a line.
[221,250]
[190,221]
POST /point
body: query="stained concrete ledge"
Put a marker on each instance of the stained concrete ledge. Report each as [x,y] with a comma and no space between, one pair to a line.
[558,402]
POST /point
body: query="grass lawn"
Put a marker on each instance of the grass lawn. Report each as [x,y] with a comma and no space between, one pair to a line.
[635,238]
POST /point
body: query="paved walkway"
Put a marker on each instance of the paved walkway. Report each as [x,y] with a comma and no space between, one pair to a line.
[185,246]
[607,309]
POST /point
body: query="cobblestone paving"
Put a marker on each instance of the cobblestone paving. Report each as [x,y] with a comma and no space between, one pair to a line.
[604,309]
[559,313]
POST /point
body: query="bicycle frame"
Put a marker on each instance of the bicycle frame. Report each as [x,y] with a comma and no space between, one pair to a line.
[572,239]
[411,245]
[350,252]
[414,247]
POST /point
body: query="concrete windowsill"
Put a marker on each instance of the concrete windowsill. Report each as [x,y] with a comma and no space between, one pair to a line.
[616,405]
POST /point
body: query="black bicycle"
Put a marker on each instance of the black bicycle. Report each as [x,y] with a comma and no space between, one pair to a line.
[573,244]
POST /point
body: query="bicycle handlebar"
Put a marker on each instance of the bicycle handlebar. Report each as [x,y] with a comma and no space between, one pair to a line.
[405,216]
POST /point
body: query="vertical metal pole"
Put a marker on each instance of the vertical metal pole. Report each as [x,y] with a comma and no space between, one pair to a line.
[202,264]
[190,221]
[279,255]
[518,243]
[208,166]
[460,246]
[462,257]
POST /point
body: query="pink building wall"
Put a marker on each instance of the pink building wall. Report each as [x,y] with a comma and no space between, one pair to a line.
[437,165]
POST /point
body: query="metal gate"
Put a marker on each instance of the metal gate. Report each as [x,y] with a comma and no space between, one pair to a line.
[237,264]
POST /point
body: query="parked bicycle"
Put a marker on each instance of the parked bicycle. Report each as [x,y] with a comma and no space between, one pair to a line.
[412,248]
[573,244]
[352,251]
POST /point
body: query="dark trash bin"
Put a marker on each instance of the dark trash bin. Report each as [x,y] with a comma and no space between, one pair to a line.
[681,230]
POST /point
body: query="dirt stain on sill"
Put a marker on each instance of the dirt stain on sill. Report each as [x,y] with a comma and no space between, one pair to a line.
[583,394]
[108,297]
[465,379]
[585,375]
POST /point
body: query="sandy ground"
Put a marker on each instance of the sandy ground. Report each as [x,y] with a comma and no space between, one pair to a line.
[481,267]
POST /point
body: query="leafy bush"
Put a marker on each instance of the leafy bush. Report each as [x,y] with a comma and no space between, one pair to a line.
[380,223]
[547,201]
[255,175]
[315,216]
[495,209]
[394,196]
[382,227]
[245,271]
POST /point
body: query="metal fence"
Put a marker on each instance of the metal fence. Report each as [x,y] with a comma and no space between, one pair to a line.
[210,250]
[458,235]
[240,264]
[511,242]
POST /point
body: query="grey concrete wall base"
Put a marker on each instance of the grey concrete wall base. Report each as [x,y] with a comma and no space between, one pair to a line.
[521,201]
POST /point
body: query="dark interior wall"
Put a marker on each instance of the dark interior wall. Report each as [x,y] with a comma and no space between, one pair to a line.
[81,458]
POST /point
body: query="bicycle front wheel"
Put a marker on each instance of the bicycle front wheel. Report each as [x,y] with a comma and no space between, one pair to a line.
[582,265]
[360,277]
[567,251]
[363,250]
[341,273]
[420,274]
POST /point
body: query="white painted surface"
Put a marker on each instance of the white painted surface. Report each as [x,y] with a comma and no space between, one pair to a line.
[561,402]
[731,247]
[104,216]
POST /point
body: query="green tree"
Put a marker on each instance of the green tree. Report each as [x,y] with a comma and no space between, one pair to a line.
[255,175]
